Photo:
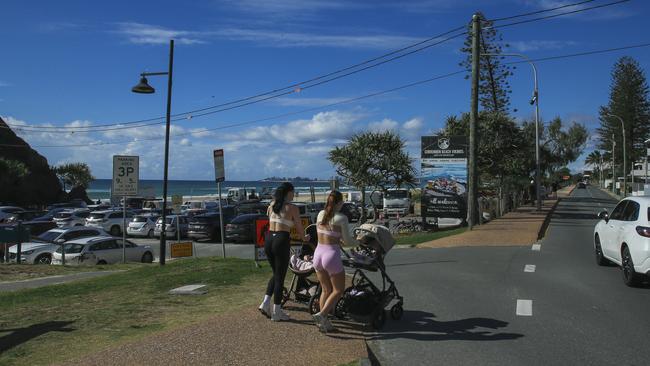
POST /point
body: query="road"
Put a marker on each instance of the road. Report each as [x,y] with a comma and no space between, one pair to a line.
[461,304]
[202,249]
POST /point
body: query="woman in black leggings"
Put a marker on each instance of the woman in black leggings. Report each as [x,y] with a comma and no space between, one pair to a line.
[283,216]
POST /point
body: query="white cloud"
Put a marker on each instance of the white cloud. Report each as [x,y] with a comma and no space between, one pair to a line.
[140,33]
[383,125]
[307,102]
[538,45]
[414,124]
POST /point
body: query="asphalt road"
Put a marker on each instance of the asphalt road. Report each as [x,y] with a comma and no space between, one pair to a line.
[461,304]
[202,248]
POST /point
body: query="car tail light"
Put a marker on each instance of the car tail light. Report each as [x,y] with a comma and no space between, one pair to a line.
[643,231]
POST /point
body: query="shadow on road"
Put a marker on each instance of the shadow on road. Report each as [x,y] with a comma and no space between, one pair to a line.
[416,263]
[19,336]
[421,326]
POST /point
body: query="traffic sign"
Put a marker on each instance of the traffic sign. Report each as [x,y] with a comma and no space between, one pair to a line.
[126,175]
[219,171]
[181,249]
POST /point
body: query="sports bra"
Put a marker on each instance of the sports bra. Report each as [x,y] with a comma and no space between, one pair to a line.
[341,221]
[334,234]
[277,218]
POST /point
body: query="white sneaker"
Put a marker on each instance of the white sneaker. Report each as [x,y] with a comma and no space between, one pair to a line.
[278,315]
[318,319]
[326,326]
[265,309]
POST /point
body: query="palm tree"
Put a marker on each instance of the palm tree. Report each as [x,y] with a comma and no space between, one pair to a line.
[74,174]
[594,159]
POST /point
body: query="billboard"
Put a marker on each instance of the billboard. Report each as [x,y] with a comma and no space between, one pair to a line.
[444,177]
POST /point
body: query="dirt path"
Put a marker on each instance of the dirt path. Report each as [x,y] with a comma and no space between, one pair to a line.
[241,338]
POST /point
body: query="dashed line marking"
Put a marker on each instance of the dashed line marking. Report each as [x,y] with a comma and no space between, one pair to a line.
[537,247]
[529,268]
[525,307]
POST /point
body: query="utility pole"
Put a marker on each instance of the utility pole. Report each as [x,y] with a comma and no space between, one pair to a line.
[614,179]
[473,117]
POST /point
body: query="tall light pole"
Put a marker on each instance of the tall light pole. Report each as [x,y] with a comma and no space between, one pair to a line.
[534,100]
[624,155]
[144,88]
[614,179]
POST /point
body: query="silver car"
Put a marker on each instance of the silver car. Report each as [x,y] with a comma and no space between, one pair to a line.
[40,249]
[71,218]
[172,222]
[142,225]
[101,250]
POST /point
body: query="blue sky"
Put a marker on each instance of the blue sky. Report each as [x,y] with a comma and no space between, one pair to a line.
[72,63]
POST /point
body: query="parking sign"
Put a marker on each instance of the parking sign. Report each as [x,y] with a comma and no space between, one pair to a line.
[126,174]
[219,171]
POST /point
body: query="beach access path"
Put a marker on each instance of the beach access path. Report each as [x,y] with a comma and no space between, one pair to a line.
[523,226]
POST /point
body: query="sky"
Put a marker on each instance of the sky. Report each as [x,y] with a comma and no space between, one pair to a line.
[72,64]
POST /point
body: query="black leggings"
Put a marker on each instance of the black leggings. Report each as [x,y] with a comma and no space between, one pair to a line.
[277,248]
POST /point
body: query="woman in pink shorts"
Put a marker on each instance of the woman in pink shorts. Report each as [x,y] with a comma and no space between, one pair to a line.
[332,230]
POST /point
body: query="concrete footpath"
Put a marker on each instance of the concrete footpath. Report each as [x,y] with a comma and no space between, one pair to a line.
[524,226]
[51,280]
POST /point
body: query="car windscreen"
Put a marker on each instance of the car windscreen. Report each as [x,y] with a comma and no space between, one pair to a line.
[72,248]
[244,219]
[140,219]
[49,236]
[96,216]
[62,215]
[396,194]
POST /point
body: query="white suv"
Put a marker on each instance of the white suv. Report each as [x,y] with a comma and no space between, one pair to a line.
[142,225]
[71,218]
[109,220]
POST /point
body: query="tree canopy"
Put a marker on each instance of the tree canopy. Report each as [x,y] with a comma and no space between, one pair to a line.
[74,174]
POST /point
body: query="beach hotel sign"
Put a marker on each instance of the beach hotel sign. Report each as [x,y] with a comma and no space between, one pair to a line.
[126,175]
[444,177]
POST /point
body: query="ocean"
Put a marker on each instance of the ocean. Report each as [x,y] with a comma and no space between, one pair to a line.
[101,188]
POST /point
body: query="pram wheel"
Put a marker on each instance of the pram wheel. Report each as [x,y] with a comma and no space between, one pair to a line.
[397,311]
[379,320]
[314,303]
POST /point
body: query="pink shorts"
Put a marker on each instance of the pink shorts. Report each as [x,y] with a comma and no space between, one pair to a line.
[327,258]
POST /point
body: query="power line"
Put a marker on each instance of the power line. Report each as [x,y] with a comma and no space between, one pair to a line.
[540,11]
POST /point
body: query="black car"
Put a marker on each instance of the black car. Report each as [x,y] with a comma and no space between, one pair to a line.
[39,227]
[351,211]
[242,228]
[250,207]
[207,225]
[582,185]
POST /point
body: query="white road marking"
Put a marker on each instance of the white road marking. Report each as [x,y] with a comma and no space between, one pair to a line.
[537,247]
[529,268]
[525,307]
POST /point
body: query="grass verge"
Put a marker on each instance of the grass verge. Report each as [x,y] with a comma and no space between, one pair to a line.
[19,272]
[55,323]
[418,238]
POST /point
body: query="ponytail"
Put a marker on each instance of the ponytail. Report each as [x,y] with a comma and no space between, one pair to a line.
[332,200]
[280,195]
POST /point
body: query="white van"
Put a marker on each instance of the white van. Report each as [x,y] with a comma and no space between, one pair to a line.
[242,194]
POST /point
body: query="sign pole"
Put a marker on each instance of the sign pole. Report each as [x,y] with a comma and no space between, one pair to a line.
[124,231]
[223,241]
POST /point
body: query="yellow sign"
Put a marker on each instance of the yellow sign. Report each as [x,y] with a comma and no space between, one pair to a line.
[183,249]
[294,234]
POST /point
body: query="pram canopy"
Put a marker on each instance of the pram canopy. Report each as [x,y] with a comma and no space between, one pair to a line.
[375,235]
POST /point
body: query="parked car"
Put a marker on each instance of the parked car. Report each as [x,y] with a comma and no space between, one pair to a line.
[313,209]
[207,226]
[101,250]
[71,218]
[142,225]
[49,216]
[99,207]
[8,211]
[250,206]
[75,203]
[623,237]
[242,228]
[40,249]
[171,223]
[24,216]
[351,211]
[582,185]
[38,227]
[111,221]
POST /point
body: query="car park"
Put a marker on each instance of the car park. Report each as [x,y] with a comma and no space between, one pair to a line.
[71,218]
[242,228]
[174,225]
[8,211]
[142,225]
[40,249]
[111,221]
[101,250]
[623,238]
[49,216]
[250,206]
[38,227]
[208,225]
[22,216]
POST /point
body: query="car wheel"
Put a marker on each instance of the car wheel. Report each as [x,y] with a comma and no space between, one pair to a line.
[43,259]
[150,234]
[598,249]
[147,257]
[630,277]
[101,263]
[115,230]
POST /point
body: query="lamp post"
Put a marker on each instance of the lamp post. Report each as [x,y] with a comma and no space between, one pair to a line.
[144,88]
[534,100]
[624,155]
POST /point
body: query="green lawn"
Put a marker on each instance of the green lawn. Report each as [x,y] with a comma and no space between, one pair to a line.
[18,272]
[418,238]
[106,311]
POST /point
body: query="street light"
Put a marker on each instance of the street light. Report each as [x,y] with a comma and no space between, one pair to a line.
[143,87]
[624,155]
[533,100]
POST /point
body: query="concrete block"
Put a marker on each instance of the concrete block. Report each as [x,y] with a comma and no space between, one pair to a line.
[190,290]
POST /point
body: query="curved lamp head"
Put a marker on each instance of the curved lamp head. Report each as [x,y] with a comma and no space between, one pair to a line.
[143,87]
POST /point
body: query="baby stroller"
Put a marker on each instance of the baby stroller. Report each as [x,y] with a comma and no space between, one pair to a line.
[302,289]
[364,301]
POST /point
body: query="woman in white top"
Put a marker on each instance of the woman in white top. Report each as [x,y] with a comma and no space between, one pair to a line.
[283,216]
[332,230]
